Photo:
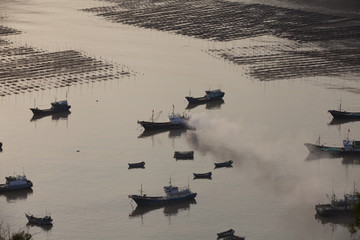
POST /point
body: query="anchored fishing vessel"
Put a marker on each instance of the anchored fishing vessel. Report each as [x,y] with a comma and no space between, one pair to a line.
[176,121]
[209,96]
[340,114]
[173,194]
[59,106]
[350,148]
[338,206]
[47,220]
[14,183]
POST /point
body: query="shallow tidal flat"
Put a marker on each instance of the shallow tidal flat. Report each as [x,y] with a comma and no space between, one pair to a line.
[27,69]
[317,44]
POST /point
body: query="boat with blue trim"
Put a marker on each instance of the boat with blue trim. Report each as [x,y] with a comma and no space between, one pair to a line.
[57,106]
[14,183]
[210,95]
[172,195]
[176,121]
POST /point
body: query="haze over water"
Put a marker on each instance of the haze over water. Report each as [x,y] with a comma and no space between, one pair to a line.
[79,162]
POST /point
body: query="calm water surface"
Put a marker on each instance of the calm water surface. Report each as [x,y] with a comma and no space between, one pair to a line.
[78,162]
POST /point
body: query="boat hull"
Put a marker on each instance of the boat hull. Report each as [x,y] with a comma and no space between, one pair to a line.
[5,188]
[161,125]
[202,175]
[224,164]
[137,165]
[37,111]
[47,221]
[154,201]
[344,115]
[327,210]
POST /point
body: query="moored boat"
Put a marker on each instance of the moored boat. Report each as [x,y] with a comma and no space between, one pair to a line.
[338,206]
[172,195]
[137,165]
[14,183]
[47,220]
[350,148]
[202,175]
[338,114]
[209,96]
[58,106]
[176,121]
[224,164]
[184,154]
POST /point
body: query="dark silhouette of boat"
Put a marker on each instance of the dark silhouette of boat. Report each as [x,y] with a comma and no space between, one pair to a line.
[176,121]
[210,95]
[338,206]
[338,114]
[227,233]
[173,195]
[350,148]
[137,165]
[224,164]
[47,220]
[59,106]
[203,175]
[15,183]
[184,155]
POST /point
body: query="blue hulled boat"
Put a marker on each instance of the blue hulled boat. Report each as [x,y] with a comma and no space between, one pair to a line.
[14,183]
[173,195]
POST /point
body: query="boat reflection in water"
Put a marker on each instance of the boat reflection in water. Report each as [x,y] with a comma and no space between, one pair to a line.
[173,133]
[55,116]
[215,104]
[339,121]
[346,160]
[43,227]
[17,195]
[169,210]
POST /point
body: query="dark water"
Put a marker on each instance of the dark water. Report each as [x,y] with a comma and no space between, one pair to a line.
[79,162]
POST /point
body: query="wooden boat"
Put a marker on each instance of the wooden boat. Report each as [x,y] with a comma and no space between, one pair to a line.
[350,148]
[47,220]
[173,195]
[210,95]
[202,175]
[224,164]
[176,121]
[13,183]
[225,234]
[137,165]
[184,154]
[59,106]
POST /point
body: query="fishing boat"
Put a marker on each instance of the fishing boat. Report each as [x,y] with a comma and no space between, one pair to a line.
[340,114]
[210,95]
[47,220]
[338,206]
[58,106]
[350,148]
[14,183]
[225,234]
[202,175]
[172,195]
[176,121]
[224,164]
[137,165]
[184,154]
